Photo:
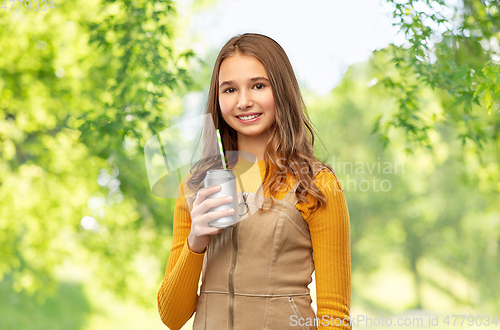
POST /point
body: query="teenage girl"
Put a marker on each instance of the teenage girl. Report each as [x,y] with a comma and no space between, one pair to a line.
[255,275]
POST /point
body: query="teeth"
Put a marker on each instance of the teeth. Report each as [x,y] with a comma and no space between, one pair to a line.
[249,117]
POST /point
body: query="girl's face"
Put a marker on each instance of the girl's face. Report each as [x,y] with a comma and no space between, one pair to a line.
[245,91]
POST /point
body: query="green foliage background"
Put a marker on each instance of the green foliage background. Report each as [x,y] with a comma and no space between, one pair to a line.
[83,87]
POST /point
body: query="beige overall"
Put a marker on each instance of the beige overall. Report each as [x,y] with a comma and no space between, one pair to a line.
[255,275]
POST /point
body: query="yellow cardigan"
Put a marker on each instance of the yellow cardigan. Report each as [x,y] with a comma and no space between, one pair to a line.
[330,236]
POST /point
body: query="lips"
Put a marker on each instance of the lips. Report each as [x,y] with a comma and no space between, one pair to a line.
[249,119]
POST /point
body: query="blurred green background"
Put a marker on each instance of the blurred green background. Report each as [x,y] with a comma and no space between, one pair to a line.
[413,135]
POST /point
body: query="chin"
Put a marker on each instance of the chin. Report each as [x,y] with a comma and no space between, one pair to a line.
[253,132]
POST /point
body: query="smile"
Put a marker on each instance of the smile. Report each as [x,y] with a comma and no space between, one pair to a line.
[248,118]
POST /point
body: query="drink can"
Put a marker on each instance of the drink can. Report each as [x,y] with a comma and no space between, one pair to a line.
[227,181]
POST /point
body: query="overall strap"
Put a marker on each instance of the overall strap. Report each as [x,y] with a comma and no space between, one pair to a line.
[290,197]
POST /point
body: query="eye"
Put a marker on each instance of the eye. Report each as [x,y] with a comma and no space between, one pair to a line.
[226,90]
[262,86]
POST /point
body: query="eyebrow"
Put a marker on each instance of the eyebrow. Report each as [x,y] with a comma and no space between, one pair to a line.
[229,82]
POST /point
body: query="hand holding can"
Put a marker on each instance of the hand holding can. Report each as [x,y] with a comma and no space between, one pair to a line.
[201,215]
[227,181]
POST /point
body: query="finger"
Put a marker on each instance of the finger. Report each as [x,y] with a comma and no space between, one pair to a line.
[209,203]
[209,231]
[203,227]
[204,192]
[202,230]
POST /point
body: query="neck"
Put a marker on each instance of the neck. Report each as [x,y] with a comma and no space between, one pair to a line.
[253,144]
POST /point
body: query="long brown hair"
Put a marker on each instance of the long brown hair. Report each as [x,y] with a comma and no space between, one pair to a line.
[292,137]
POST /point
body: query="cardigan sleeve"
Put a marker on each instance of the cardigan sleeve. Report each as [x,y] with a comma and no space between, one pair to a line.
[330,236]
[178,294]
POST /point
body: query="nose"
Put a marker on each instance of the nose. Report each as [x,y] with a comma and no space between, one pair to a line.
[244,99]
